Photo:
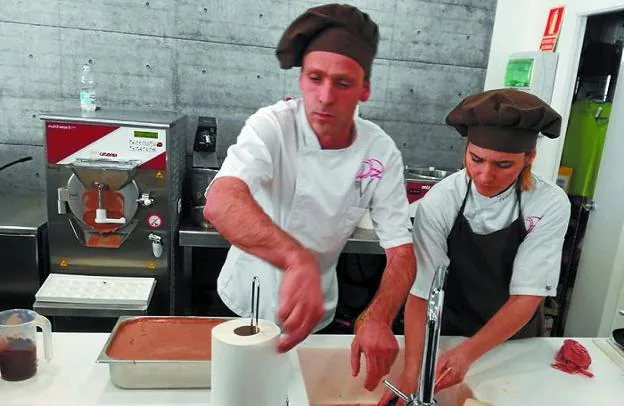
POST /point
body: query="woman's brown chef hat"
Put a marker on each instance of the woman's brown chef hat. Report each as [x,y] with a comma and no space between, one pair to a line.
[505,120]
[341,29]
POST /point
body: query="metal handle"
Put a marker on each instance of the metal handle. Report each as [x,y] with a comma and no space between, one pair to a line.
[145,199]
[157,245]
[62,195]
[396,391]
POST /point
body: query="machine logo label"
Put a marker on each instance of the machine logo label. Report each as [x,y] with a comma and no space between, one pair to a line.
[61,126]
[370,169]
[108,154]
[531,222]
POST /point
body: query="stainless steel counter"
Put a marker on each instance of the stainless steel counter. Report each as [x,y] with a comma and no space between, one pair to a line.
[22,214]
[83,310]
[361,242]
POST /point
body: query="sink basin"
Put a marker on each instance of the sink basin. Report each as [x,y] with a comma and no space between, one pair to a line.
[325,364]
[516,373]
[328,381]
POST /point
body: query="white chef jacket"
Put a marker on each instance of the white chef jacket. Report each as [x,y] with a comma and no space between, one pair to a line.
[546,211]
[317,196]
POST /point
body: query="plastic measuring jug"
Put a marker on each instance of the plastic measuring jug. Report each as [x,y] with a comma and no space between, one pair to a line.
[18,344]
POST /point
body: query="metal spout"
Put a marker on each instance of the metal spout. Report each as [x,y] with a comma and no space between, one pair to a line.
[424,396]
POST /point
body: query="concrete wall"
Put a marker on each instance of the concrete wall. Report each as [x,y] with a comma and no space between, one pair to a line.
[217,58]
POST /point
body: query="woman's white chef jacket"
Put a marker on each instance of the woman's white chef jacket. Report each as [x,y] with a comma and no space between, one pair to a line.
[546,211]
[317,196]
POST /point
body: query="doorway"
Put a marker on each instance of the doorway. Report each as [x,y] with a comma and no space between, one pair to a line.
[591,173]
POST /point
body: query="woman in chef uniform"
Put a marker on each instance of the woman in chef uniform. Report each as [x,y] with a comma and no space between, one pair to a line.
[497,226]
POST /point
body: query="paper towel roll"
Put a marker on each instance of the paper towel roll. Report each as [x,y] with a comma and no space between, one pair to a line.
[247,370]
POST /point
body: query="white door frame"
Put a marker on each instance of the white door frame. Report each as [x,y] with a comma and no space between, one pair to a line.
[616,278]
[571,74]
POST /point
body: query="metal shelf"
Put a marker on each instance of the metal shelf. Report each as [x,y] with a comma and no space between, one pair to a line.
[361,242]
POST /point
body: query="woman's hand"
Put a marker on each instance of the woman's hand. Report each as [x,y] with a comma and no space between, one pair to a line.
[452,367]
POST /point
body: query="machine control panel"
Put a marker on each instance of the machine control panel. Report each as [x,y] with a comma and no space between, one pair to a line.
[103,142]
[144,145]
[144,141]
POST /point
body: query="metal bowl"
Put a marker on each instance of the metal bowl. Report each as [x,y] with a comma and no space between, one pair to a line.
[430,173]
[200,178]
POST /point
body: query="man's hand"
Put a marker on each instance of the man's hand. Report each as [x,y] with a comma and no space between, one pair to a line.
[380,347]
[452,367]
[406,383]
[301,301]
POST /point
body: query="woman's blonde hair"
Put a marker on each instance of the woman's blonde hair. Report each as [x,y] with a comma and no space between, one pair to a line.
[525,177]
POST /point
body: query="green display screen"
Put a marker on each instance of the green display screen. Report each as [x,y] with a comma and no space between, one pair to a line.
[146,134]
[519,73]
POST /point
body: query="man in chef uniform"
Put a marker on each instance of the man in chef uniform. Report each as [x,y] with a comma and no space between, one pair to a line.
[497,226]
[300,177]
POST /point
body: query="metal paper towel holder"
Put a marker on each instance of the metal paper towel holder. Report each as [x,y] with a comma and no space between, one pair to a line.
[253,328]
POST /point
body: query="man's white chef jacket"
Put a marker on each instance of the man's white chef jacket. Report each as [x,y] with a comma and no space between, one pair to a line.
[317,196]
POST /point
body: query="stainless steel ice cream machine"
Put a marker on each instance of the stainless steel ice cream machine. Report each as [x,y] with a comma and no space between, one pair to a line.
[113,185]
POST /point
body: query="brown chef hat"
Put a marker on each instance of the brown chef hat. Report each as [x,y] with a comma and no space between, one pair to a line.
[505,120]
[342,29]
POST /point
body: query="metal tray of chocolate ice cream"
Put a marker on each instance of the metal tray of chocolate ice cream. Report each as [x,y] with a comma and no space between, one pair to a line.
[154,373]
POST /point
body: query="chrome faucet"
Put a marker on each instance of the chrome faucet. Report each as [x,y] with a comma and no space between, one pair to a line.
[424,396]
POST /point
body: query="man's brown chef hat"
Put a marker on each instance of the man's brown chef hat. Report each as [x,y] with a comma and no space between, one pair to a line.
[336,28]
[505,120]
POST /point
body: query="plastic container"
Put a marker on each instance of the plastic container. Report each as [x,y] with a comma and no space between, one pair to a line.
[18,344]
[162,368]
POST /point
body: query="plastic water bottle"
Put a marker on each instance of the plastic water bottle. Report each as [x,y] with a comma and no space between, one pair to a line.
[87,89]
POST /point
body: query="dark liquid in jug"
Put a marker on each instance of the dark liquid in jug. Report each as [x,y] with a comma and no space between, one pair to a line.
[18,360]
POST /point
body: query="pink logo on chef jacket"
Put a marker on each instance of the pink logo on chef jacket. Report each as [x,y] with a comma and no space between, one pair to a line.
[370,168]
[531,222]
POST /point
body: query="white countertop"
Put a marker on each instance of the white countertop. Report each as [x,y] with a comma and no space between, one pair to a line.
[517,373]
[74,378]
